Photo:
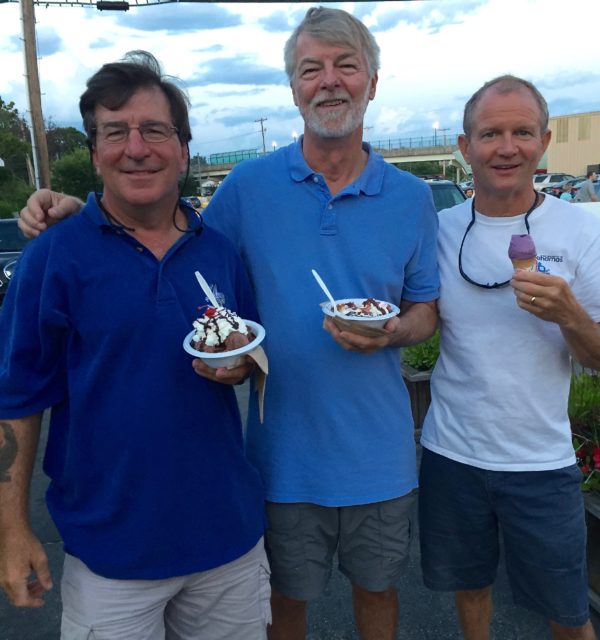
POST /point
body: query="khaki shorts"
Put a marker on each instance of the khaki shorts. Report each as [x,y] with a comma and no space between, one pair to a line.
[230,602]
[372,542]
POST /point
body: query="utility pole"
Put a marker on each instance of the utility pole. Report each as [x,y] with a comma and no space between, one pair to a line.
[38,133]
[30,170]
[263,131]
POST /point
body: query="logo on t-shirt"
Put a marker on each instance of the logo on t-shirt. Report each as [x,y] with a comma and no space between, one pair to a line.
[542,268]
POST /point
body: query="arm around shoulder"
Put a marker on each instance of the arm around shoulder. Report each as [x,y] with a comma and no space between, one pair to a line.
[45,208]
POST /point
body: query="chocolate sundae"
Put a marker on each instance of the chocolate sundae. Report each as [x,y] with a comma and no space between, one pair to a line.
[220,329]
[369,308]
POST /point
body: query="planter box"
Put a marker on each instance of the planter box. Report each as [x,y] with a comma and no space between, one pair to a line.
[592,517]
[417,383]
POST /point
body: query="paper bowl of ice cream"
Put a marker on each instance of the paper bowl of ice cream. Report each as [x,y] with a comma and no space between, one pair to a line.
[231,357]
[357,314]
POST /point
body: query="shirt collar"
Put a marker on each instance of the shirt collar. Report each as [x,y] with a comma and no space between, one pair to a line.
[368,182]
[97,216]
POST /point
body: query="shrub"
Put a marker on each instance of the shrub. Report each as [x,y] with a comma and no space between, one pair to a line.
[424,355]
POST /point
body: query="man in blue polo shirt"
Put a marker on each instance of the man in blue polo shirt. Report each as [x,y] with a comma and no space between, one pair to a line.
[160,513]
[336,450]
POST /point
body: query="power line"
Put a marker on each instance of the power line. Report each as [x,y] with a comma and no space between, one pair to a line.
[262,130]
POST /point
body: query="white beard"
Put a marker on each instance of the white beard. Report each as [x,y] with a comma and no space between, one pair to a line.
[334,124]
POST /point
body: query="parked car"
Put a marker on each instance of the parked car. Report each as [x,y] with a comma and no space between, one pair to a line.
[12,242]
[445,193]
[467,184]
[557,188]
[541,180]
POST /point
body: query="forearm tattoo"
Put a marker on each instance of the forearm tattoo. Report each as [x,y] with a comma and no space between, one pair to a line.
[8,450]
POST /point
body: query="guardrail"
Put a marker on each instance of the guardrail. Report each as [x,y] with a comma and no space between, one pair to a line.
[413,142]
[416,142]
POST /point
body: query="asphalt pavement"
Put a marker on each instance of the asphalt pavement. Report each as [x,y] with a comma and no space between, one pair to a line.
[424,615]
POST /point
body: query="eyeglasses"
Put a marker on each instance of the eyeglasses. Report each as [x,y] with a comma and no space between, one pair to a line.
[495,285]
[117,132]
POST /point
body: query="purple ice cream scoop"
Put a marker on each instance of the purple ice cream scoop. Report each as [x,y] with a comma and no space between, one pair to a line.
[521,247]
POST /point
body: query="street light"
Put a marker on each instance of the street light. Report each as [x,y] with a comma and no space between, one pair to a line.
[436,126]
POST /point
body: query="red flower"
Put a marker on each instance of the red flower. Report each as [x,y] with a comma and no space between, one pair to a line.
[585,468]
[580,453]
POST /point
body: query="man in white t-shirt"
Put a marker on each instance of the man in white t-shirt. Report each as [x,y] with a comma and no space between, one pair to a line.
[497,453]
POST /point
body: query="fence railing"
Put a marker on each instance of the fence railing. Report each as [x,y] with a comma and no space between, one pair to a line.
[413,142]
[416,142]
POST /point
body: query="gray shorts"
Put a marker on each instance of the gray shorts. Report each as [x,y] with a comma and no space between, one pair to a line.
[372,542]
[230,602]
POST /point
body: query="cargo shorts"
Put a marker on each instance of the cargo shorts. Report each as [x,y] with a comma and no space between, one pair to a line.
[372,543]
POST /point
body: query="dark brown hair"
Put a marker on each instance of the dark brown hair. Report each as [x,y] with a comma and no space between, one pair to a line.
[115,83]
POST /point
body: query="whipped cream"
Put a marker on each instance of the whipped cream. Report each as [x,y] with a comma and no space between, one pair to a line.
[213,328]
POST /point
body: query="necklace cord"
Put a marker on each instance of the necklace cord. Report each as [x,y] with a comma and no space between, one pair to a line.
[495,285]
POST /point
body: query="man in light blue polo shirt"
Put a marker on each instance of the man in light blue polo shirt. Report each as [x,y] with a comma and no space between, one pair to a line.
[336,450]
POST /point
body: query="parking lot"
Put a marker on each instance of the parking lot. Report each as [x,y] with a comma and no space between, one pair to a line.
[424,615]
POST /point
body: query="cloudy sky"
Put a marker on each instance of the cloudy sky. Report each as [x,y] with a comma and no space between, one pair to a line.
[435,54]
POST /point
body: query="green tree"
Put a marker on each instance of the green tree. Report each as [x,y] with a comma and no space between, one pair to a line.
[422,168]
[14,140]
[73,174]
[13,193]
[63,140]
[189,188]
[10,120]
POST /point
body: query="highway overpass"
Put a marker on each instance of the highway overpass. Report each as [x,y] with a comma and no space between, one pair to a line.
[397,152]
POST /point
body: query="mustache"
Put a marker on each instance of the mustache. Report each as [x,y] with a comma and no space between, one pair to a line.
[325,96]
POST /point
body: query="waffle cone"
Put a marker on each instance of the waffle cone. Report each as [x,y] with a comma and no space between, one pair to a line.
[530,264]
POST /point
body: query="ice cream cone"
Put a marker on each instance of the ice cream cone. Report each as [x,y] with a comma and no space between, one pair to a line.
[522,253]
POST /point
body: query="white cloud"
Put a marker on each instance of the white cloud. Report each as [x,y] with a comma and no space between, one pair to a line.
[435,54]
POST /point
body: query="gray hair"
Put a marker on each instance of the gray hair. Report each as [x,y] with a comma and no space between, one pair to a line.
[505,84]
[333,26]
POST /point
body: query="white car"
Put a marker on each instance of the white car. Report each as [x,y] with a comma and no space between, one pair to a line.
[541,180]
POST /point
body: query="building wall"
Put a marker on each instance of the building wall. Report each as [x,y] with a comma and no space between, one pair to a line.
[575,143]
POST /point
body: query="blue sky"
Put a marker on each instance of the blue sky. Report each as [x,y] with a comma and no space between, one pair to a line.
[435,54]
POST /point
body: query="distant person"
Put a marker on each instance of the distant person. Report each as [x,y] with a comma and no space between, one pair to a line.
[336,450]
[497,452]
[567,192]
[469,192]
[587,192]
[160,513]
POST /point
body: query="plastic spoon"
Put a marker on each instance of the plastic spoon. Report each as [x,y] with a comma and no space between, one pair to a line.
[325,291]
[207,290]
